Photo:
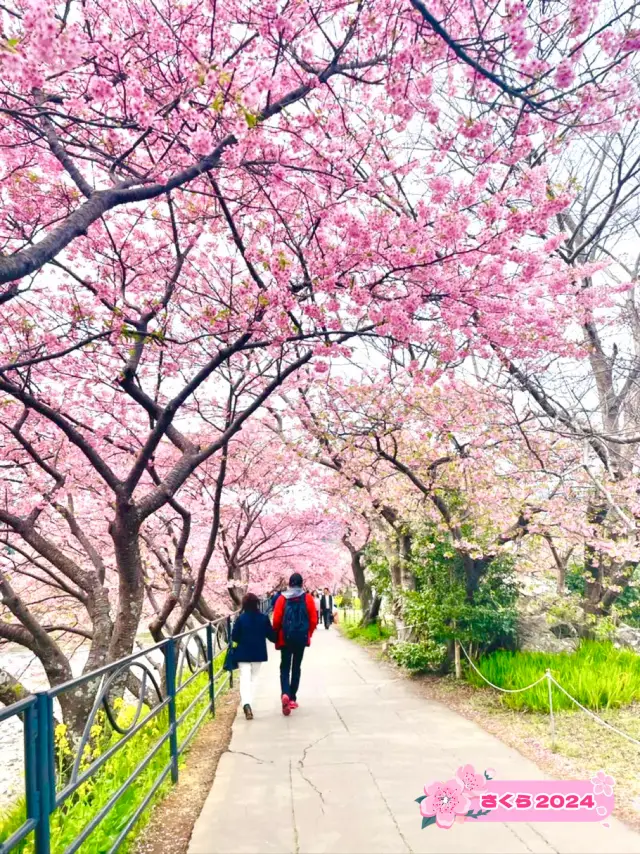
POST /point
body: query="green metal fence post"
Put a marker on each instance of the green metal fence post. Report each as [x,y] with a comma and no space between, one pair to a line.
[44,784]
[170,661]
[229,644]
[212,675]
[31,763]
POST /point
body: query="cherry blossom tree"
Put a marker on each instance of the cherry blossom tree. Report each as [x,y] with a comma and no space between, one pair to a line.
[593,399]
[455,455]
[199,200]
[94,122]
[62,562]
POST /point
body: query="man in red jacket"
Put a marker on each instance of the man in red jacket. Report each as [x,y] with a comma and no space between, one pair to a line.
[294,620]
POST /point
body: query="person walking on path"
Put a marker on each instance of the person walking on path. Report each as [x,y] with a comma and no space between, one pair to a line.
[294,620]
[274,598]
[251,631]
[326,608]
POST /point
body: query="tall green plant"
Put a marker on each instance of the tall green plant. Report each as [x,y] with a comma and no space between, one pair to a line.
[598,675]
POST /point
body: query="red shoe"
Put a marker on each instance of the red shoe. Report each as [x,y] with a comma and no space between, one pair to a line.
[293,704]
[286,705]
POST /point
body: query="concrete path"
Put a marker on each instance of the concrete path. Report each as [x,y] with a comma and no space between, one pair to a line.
[341,774]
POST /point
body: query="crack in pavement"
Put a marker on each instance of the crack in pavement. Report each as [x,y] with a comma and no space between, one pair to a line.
[301,767]
[518,837]
[296,837]
[251,756]
[313,744]
[313,786]
[356,671]
[543,837]
[335,709]
[389,810]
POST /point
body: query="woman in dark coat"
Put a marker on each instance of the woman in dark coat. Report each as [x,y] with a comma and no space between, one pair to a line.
[251,631]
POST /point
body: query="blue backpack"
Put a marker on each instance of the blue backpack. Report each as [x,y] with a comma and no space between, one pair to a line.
[295,624]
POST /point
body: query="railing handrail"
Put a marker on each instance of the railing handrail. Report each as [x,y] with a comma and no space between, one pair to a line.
[18,707]
[36,712]
[113,665]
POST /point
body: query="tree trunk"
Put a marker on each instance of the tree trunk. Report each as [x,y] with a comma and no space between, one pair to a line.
[125,531]
[11,690]
[362,585]
[397,551]
[407,578]
[98,608]
[605,580]
[474,569]
[371,614]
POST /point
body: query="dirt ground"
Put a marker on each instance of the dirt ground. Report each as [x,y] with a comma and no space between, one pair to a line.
[171,821]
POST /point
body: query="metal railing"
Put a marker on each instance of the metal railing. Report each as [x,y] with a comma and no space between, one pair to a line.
[166,686]
[349,616]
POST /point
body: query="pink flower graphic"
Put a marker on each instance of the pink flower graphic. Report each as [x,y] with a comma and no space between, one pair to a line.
[474,784]
[603,783]
[445,801]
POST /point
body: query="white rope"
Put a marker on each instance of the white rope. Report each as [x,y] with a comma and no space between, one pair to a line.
[548,676]
[593,715]
[550,679]
[497,687]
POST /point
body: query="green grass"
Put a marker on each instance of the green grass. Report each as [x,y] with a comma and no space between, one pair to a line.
[598,675]
[375,633]
[69,820]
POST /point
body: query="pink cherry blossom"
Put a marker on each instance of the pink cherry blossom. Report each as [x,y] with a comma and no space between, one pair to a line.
[603,783]
[474,784]
[199,204]
[445,801]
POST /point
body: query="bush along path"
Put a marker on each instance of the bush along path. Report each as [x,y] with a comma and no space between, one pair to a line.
[343,771]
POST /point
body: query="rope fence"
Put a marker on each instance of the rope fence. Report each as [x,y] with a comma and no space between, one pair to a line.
[551,680]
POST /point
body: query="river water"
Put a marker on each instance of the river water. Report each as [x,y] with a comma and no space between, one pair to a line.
[26,667]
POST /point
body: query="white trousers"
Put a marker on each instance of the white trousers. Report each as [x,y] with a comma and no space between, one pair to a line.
[248,674]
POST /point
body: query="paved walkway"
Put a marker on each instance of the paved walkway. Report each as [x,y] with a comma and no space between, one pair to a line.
[341,774]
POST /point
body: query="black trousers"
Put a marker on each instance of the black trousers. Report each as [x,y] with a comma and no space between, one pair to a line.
[290,666]
[326,616]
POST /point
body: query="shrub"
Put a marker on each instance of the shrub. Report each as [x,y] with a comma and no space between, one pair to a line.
[598,675]
[421,656]
[375,633]
[439,609]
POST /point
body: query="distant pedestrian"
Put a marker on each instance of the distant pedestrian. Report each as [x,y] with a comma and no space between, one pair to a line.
[274,599]
[326,608]
[294,620]
[317,596]
[251,631]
